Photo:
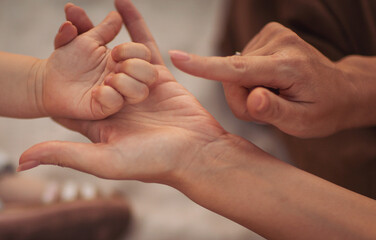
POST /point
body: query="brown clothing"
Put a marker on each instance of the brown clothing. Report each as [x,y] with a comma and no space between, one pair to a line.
[337,28]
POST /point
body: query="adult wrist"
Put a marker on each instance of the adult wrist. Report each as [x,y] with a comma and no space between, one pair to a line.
[360,77]
[214,159]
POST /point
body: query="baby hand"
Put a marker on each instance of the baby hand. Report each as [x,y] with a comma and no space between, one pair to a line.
[133,73]
[84,79]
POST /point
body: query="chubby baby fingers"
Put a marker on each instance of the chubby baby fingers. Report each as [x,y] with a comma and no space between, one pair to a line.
[131,50]
[138,69]
[132,90]
[107,101]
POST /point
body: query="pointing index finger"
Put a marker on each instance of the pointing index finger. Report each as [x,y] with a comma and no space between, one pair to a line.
[247,71]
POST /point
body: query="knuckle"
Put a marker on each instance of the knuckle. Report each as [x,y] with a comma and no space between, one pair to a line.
[284,60]
[291,66]
[238,63]
[289,38]
[59,162]
[273,27]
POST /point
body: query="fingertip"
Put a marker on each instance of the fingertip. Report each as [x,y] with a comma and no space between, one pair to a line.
[107,79]
[115,18]
[120,3]
[115,14]
[117,53]
[67,32]
[78,17]
[177,55]
[27,165]
[107,30]
[36,155]
[66,26]
[258,105]
[110,101]
[257,100]
[68,5]
[131,89]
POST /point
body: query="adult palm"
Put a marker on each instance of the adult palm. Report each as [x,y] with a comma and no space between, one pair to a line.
[149,141]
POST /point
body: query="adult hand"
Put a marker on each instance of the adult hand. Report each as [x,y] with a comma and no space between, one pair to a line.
[313,97]
[169,138]
[149,141]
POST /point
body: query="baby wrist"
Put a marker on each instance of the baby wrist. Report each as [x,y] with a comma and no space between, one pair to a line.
[35,87]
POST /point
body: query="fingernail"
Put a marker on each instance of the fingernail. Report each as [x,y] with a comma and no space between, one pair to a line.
[179,55]
[27,165]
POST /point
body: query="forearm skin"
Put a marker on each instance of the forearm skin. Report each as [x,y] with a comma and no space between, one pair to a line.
[21,86]
[360,72]
[276,200]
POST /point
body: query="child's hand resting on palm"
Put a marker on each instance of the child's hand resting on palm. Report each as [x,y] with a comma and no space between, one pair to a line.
[84,79]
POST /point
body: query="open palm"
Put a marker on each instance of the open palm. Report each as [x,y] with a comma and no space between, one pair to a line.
[143,141]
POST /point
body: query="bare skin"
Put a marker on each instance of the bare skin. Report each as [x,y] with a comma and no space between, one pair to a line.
[169,138]
[82,79]
[316,97]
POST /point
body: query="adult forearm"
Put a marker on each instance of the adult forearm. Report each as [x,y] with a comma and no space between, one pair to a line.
[360,71]
[276,200]
[19,84]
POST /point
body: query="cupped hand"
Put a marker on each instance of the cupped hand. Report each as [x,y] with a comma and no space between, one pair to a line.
[149,141]
[281,80]
[83,79]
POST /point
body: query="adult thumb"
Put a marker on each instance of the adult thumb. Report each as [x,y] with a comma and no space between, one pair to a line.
[85,157]
[265,106]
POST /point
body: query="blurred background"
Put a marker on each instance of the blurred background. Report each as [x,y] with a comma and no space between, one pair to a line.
[160,212]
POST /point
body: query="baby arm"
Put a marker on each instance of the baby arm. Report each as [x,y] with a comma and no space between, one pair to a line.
[17,91]
[81,79]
